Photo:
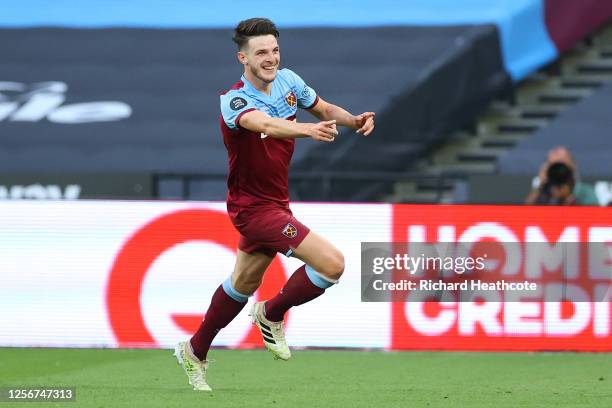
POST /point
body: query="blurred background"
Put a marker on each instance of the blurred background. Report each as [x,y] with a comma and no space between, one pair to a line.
[113,99]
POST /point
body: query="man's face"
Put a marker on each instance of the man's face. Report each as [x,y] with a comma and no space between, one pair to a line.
[261,57]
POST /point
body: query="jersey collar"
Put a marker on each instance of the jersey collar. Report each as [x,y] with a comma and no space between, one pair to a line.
[256,91]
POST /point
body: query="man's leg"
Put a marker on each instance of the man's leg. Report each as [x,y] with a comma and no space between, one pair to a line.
[226,303]
[324,264]
[229,299]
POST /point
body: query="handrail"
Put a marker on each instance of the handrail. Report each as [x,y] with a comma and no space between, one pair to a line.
[326,178]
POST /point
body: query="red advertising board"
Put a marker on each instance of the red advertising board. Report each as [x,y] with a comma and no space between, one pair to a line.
[141,274]
[525,325]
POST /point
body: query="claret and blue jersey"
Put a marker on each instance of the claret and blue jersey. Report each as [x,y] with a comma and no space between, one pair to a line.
[259,165]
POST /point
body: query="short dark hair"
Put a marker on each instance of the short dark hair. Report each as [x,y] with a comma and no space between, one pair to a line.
[253,27]
[559,174]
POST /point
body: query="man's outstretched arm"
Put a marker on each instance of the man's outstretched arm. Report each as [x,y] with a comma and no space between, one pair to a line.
[364,123]
[259,122]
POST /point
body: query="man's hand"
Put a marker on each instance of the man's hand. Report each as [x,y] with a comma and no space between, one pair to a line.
[542,174]
[324,131]
[365,123]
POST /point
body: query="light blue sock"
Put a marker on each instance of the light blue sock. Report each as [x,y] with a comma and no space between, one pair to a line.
[319,280]
[233,293]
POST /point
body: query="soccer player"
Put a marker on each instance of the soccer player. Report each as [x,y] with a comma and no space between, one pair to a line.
[259,126]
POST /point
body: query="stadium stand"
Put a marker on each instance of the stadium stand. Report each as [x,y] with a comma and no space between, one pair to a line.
[584,129]
[136,91]
[563,105]
[172,85]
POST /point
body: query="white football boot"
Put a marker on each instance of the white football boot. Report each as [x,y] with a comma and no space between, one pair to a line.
[273,333]
[194,368]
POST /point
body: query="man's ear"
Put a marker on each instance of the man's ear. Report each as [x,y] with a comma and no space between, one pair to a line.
[242,58]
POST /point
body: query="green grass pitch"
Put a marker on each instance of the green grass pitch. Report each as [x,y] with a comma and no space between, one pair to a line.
[244,379]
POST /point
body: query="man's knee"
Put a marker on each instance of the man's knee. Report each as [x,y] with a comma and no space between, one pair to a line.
[333,267]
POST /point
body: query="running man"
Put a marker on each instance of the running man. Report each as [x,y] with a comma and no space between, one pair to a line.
[258,122]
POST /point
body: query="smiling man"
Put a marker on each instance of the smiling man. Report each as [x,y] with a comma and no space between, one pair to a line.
[259,127]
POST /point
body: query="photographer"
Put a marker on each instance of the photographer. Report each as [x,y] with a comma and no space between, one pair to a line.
[557,182]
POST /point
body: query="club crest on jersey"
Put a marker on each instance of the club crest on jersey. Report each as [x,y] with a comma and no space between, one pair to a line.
[290,231]
[291,99]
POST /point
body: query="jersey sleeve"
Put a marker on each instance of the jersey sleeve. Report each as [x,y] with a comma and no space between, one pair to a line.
[306,96]
[233,106]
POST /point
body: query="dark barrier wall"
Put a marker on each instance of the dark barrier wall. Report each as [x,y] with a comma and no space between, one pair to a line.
[71,186]
[513,189]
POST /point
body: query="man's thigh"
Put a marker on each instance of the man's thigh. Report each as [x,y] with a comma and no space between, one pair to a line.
[319,253]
